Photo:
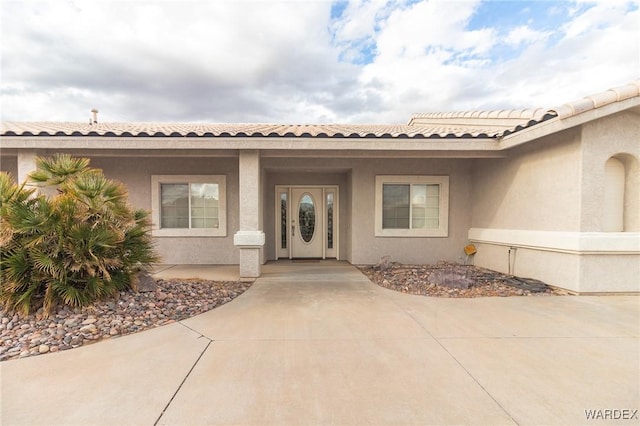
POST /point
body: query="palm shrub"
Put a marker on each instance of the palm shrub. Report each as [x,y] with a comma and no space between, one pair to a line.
[80,244]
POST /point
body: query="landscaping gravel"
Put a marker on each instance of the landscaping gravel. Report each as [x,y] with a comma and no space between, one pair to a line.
[130,312]
[426,280]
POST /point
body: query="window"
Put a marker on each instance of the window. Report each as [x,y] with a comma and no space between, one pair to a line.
[412,206]
[188,205]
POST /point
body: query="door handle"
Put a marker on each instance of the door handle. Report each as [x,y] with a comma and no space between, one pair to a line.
[293,230]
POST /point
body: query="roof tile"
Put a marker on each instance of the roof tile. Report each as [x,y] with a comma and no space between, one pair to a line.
[598,100]
[462,124]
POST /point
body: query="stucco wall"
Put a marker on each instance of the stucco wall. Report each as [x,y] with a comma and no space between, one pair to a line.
[136,173]
[554,268]
[536,187]
[546,201]
[617,135]
[366,248]
[9,164]
[356,180]
[604,273]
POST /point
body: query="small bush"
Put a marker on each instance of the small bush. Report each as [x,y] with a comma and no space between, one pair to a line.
[81,244]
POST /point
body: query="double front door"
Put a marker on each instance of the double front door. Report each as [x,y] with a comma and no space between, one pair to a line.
[306,222]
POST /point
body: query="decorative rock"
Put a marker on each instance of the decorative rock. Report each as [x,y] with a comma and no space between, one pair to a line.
[90,328]
[414,279]
[71,322]
[384,263]
[67,328]
[146,283]
[452,277]
[43,349]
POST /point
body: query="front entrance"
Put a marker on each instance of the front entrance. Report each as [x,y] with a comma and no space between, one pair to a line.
[306,222]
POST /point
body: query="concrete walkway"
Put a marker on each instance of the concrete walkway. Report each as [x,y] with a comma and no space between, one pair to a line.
[317,343]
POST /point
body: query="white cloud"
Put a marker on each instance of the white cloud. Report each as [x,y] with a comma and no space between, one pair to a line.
[525,35]
[272,60]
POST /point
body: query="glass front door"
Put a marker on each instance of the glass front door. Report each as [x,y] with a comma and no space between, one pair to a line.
[306,222]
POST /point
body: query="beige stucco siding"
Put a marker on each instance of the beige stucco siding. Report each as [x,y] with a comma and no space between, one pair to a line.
[617,135]
[9,164]
[539,212]
[367,248]
[355,178]
[136,173]
[535,187]
[609,273]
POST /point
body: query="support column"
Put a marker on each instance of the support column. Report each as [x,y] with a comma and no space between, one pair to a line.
[26,165]
[250,238]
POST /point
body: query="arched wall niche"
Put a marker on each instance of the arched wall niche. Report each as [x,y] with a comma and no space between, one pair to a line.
[621,198]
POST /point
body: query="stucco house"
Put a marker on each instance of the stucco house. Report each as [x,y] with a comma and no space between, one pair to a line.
[552,194]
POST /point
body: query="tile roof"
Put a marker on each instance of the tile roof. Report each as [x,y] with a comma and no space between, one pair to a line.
[399,131]
[449,125]
[498,123]
[598,100]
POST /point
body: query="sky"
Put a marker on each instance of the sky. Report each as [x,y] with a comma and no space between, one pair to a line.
[305,61]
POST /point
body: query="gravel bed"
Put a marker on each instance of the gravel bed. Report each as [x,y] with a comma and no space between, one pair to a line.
[419,280]
[130,312]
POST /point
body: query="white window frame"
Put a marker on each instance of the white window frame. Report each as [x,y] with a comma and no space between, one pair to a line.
[443,218]
[158,180]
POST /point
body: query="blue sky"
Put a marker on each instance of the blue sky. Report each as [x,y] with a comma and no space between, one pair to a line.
[307,61]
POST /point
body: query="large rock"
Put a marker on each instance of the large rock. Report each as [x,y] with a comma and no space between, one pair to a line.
[529,284]
[384,263]
[454,276]
[146,283]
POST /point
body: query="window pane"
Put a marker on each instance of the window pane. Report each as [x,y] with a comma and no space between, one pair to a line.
[395,206]
[418,206]
[432,206]
[204,205]
[307,218]
[174,212]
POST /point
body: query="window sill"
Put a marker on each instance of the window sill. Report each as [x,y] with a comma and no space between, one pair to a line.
[412,233]
[188,233]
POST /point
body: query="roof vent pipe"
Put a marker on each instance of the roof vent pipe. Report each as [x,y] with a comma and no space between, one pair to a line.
[94,116]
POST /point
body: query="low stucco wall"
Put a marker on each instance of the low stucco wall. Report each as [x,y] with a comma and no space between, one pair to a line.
[546,199]
[553,268]
[604,273]
[580,273]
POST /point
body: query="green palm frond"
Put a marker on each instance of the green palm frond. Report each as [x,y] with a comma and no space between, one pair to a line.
[10,191]
[76,246]
[44,264]
[58,169]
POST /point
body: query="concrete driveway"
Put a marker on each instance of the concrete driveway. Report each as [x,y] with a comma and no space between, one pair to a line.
[317,343]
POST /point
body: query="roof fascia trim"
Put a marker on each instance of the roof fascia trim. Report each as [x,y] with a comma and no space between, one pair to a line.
[195,143]
[558,124]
